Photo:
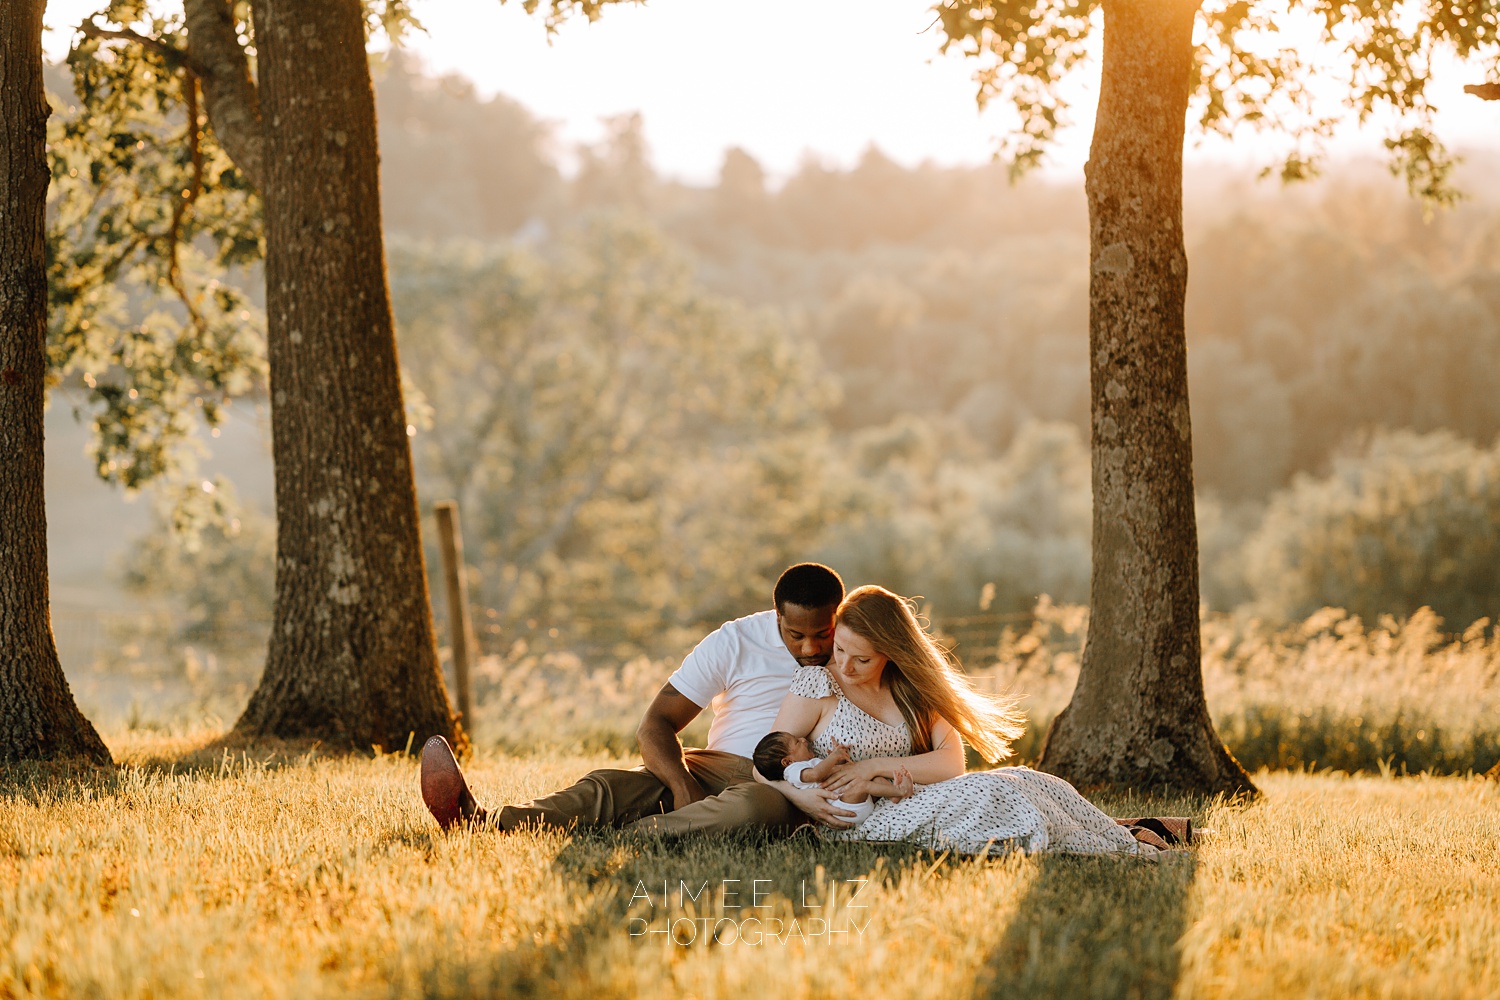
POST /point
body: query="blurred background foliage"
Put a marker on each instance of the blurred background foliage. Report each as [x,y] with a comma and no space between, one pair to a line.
[649,396]
[153,252]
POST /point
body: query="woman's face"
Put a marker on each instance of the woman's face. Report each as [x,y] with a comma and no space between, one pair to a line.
[854,658]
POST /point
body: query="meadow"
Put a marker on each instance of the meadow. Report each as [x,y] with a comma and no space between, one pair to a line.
[198,870]
[1330,692]
[1367,868]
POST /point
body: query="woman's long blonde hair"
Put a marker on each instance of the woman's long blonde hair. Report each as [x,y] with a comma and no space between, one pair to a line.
[924,678]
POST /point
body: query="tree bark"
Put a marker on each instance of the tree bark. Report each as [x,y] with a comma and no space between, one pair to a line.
[1138,717]
[353,653]
[232,103]
[38,717]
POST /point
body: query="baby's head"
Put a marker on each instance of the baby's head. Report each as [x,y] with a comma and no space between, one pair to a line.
[776,750]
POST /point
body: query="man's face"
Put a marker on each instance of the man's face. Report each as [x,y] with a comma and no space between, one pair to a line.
[807,632]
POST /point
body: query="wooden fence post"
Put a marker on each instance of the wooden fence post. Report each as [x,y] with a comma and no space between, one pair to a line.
[451,544]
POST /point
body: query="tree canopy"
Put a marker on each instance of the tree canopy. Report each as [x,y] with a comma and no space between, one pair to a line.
[1294,67]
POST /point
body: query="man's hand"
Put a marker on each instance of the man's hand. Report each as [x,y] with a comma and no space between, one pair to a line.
[687,793]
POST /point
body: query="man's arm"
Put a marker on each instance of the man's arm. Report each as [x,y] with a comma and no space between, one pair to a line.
[669,712]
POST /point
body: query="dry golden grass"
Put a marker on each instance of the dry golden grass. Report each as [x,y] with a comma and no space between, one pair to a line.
[1330,692]
[192,872]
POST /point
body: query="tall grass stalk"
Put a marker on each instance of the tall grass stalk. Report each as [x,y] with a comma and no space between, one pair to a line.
[1330,692]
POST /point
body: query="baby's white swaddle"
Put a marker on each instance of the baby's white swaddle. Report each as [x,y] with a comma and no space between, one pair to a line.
[793,773]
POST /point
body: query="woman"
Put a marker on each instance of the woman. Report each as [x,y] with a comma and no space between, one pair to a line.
[893,698]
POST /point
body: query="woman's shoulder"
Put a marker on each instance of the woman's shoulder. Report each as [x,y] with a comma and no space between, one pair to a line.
[814,682]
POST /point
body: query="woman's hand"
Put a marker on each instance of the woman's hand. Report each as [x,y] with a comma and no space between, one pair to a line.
[857,789]
[846,775]
[820,806]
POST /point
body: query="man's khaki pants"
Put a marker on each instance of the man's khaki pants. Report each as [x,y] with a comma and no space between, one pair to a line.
[635,798]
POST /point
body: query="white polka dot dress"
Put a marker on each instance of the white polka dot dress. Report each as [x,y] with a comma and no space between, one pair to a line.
[864,735]
[1009,808]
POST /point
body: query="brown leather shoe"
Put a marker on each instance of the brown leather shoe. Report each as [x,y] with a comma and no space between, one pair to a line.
[1176,831]
[443,786]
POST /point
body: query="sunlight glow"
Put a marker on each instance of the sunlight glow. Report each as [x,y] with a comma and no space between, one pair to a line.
[788,80]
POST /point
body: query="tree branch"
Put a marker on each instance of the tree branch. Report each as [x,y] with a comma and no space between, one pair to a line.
[229,93]
[171,53]
[1484,91]
[182,205]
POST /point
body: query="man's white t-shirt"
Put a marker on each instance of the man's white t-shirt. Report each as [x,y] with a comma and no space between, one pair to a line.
[742,670]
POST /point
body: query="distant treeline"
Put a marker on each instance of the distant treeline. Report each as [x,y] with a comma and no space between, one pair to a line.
[1316,314]
[649,395]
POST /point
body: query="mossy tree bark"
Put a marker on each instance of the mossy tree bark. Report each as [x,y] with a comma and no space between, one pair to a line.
[1138,717]
[38,717]
[353,654]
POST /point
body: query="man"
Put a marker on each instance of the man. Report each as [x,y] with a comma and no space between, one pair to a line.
[744,669]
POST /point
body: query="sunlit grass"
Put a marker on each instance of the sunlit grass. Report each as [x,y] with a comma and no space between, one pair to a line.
[192,871]
[1330,692]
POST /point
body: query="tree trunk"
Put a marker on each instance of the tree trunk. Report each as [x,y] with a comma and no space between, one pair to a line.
[352,652]
[38,718]
[229,94]
[1138,717]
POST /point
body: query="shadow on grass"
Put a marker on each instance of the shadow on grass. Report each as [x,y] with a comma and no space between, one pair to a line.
[223,754]
[792,866]
[203,757]
[1087,927]
[694,875]
[1103,927]
[1096,927]
[39,782]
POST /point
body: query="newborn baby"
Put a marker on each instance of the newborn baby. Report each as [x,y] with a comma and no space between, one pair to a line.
[782,756]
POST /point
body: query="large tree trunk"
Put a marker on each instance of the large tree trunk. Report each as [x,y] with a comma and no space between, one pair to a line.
[38,718]
[352,651]
[1138,717]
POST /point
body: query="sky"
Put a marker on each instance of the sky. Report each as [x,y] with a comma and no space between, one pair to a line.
[786,80]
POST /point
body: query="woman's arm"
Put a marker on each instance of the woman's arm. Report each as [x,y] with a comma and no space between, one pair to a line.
[896,788]
[800,716]
[945,760]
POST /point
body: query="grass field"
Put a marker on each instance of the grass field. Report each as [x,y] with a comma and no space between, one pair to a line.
[193,872]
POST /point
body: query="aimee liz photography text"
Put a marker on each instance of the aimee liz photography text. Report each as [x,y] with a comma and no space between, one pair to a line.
[752,912]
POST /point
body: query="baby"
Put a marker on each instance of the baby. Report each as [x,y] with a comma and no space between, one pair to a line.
[782,756]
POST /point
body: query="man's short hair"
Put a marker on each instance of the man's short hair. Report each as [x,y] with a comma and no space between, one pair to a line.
[808,585]
[769,753]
